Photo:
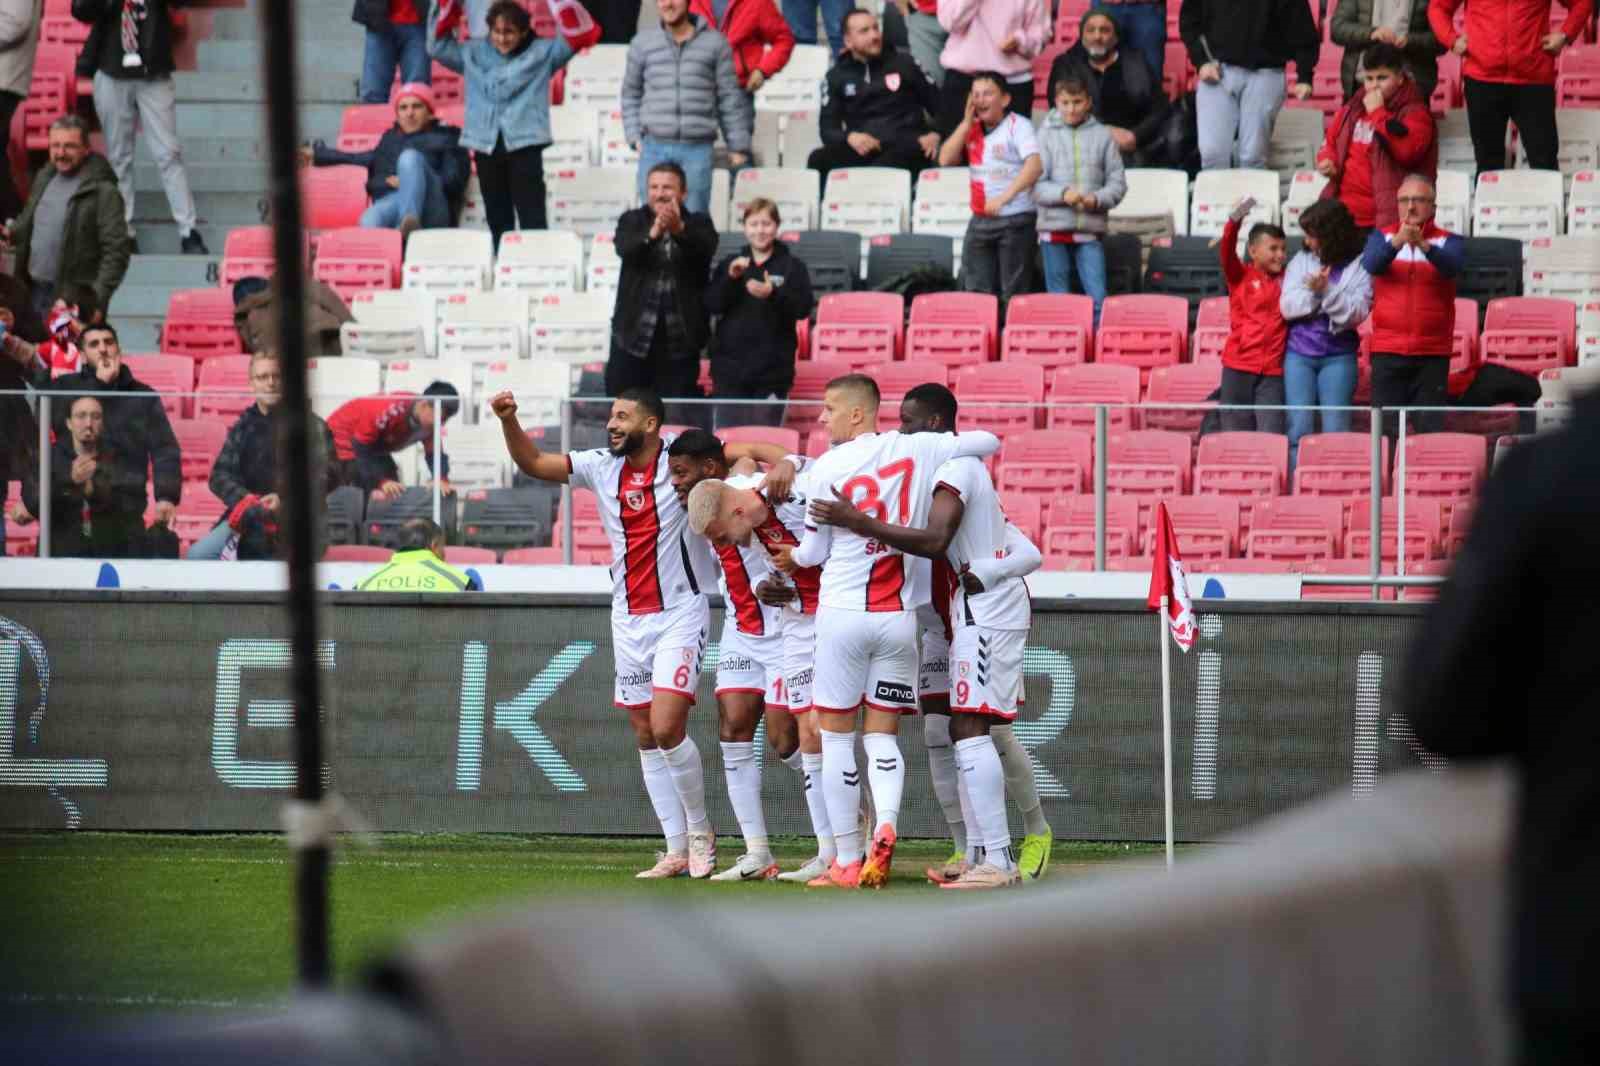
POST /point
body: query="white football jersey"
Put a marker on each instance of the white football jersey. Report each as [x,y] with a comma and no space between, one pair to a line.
[891,477]
[656,564]
[981,535]
[785,525]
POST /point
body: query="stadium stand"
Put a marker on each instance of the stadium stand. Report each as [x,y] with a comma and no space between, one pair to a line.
[953,328]
[1049,329]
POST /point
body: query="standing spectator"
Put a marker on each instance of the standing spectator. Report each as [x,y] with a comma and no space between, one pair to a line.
[60,352]
[508,104]
[96,493]
[418,565]
[368,431]
[1240,49]
[72,228]
[417,171]
[19,431]
[925,36]
[133,90]
[1509,72]
[1401,23]
[761,40]
[255,315]
[1127,95]
[875,106]
[1002,156]
[19,41]
[801,15]
[1326,295]
[1378,138]
[1081,183]
[990,36]
[1142,26]
[619,19]
[1252,360]
[678,87]
[396,39]
[659,326]
[1413,264]
[761,292]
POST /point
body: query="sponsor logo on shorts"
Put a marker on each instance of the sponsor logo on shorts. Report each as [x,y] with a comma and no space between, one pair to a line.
[798,678]
[644,677]
[889,692]
[736,662]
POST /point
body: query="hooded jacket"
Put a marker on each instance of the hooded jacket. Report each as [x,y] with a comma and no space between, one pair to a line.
[888,97]
[95,243]
[750,26]
[1255,34]
[682,92]
[753,352]
[1081,157]
[1503,37]
[1404,141]
[136,427]
[256,319]
[440,145]
[1142,105]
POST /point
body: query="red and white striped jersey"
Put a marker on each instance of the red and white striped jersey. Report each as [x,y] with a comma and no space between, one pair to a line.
[981,535]
[891,477]
[656,564]
[785,525]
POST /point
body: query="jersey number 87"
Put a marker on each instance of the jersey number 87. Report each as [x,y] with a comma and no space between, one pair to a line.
[871,502]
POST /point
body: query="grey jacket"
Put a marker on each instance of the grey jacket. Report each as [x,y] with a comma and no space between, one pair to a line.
[1084,158]
[19,40]
[673,92]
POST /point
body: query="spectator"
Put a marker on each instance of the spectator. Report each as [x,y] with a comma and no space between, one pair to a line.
[396,38]
[1002,155]
[1252,359]
[1127,96]
[249,470]
[415,174]
[72,228]
[1142,25]
[1401,23]
[761,292]
[659,325]
[418,565]
[1377,138]
[96,494]
[1082,181]
[678,87]
[1413,264]
[1508,66]
[761,40]
[19,432]
[990,36]
[508,104]
[255,315]
[801,15]
[19,41]
[133,90]
[59,353]
[926,37]
[619,19]
[875,106]
[1326,295]
[1240,48]
[369,430]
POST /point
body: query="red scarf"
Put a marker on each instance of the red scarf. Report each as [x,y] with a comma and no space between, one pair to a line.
[975,139]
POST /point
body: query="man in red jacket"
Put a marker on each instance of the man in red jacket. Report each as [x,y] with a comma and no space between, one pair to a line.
[1378,137]
[369,430]
[762,42]
[1509,63]
[1413,264]
[1252,360]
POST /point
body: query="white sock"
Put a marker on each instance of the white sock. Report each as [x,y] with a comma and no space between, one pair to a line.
[794,761]
[1021,785]
[744,792]
[689,779]
[664,798]
[942,768]
[986,785]
[886,771]
[817,804]
[841,788]
[974,846]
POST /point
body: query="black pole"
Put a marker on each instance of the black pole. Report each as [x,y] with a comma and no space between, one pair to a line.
[299,498]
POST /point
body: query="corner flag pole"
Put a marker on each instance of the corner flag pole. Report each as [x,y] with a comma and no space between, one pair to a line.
[1166,720]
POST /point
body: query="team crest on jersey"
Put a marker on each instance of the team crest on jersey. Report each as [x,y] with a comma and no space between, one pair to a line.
[963,667]
[634,500]
[775,535]
[892,81]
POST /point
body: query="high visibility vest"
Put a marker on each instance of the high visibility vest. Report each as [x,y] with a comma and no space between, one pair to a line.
[418,570]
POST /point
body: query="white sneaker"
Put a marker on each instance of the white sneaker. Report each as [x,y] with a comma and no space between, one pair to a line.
[750,867]
[668,864]
[702,854]
[813,869]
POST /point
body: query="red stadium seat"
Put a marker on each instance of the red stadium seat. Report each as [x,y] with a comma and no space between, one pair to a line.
[1327,91]
[1295,528]
[356,553]
[224,387]
[1338,464]
[170,375]
[63,30]
[896,379]
[1093,383]
[1190,384]
[1422,529]
[1050,329]
[200,323]
[1177,73]
[1145,331]
[1457,525]
[817,442]
[1242,465]
[1001,383]
[1244,566]
[1069,527]
[1465,354]
[954,328]
[464,556]
[1424,568]
[533,557]
[199,443]
[1578,76]
[354,259]
[1041,73]
[858,328]
[52,93]
[1068,16]
[363,125]
[20,540]
[1446,466]
[333,197]
[785,438]
[248,252]
[1149,465]
[198,514]
[1207,526]
[1530,333]
[1046,462]
[1211,330]
[805,395]
[1353,567]
[1025,512]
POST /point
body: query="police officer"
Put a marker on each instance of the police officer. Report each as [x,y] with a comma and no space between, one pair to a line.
[418,565]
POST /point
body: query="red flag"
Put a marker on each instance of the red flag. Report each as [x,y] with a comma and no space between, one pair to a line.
[575,23]
[1168,578]
[450,12]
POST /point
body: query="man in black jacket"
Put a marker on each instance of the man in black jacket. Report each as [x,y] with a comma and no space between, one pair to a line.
[416,173]
[133,89]
[659,326]
[396,37]
[1504,665]
[96,493]
[875,106]
[1128,98]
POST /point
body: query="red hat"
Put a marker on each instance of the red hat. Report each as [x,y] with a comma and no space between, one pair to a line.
[417,89]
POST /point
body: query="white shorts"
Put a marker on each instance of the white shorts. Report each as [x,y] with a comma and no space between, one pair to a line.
[748,663]
[986,671]
[933,679]
[866,656]
[659,652]
[799,659]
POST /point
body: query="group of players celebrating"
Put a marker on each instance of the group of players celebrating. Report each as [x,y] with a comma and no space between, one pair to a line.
[831,570]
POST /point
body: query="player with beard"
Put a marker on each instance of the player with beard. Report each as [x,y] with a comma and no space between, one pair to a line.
[985,559]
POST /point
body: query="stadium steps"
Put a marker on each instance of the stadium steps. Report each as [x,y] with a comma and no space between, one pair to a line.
[212,150]
[224,209]
[326,54]
[316,22]
[159,238]
[324,86]
[248,120]
[208,177]
[175,271]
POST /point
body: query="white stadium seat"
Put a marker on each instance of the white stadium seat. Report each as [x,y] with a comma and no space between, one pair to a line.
[540,262]
[540,386]
[721,193]
[483,326]
[794,191]
[1518,203]
[1578,130]
[414,375]
[1305,189]
[1455,143]
[1589,334]
[1155,191]
[1296,136]
[766,142]
[478,456]
[571,327]
[1216,191]
[473,215]
[389,324]
[594,76]
[798,136]
[603,266]
[871,201]
[1583,203]
[1453,204]
[574,138]
[589,199]
[798,86]
[335,380]
[615,151]
[1567,267]
[448,260]
[943,206]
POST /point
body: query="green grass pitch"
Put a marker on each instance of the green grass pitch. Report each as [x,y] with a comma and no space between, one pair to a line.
[118,923]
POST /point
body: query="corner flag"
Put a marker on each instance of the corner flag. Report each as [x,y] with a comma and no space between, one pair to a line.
[1168,578]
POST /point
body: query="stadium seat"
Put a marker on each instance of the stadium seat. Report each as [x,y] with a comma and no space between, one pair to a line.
[594,76]
[798,86]
[1069,528]
[1185,266]
[794,190]
[1144,331]
[1092,383]
[356,553]
[766,140]
[448,260]
[1529,333]
[1153,193]
[332,197]
[1492,269]
[1423,521]
[1455,143]
[462,555]
[354,259]
[1327,92]
[1246,466]
[805,394]
[389,324]
[52,93]
[860,328]
[1305,189]
[1448,90]
[223,389]
[870,201]
[954,328]
[532,557]
[1189,384]
[1453,209]
[891,257]
[784,437]
[61,30]
[588,200]
[571,327]
[199,443]
[1046,462]
[1041,74]
[1465,354]
[1296,528]
[506,519]
[199,322]
[1338,465]
[1149,465]
[979,388]
[170,375]
[588,535]
[415,375]
[1296,136]
[1207,526]
[1518,203]
[483,326]
[342,514]
[363,125]
[615,151]
[1578,77]
[385,517]
[247,252]
[943,205]
[334,381]
[1567,267]
[1026,512]
[1210,330]
[539,385]
[1049,330]
[1447,466]
[832,258]
[198,514]
[1457,526]
[799,134]
[1340,567]
[19,540]
[895,379]
[1577,143]
[574,138]
[1216,191]
[1069,16]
